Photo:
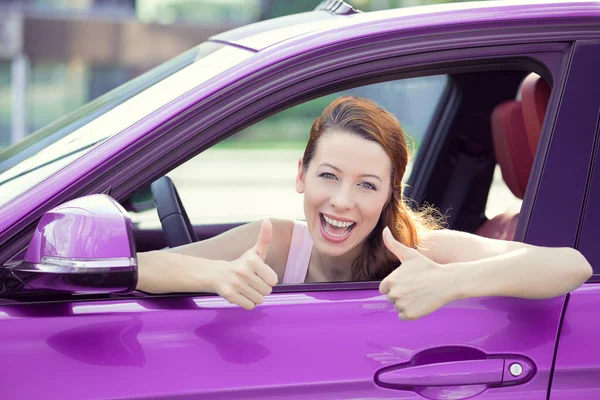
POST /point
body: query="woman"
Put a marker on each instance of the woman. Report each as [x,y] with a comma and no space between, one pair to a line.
[358,228]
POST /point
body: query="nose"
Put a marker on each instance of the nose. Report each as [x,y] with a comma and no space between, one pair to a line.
[342,198]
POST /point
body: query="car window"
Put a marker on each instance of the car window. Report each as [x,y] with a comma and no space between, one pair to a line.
[501,198]
[258,165]
[50,149]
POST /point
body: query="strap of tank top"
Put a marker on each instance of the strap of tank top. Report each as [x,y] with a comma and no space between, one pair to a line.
[299,254]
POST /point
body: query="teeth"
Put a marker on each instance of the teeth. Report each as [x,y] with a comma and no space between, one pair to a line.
[338,236]
[334,222]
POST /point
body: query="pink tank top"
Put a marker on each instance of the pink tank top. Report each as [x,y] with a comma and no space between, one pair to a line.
[299,254]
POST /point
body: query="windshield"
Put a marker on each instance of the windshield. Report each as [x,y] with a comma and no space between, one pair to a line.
[45,152]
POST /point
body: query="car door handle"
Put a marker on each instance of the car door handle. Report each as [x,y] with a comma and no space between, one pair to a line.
[470,372]
[490,371]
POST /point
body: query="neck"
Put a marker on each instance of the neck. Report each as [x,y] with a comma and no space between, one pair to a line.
[324,268]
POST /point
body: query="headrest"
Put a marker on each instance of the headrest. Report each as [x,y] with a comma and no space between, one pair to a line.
[535,93]
[511,146]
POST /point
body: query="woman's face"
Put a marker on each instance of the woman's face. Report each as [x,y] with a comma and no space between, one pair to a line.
[345,188]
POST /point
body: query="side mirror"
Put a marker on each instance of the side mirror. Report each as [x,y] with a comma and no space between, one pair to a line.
[83,246]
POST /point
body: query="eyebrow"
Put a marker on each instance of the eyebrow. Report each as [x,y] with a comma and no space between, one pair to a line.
[362,176]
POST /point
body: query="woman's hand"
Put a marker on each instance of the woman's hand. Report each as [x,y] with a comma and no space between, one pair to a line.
[244,281]
[419,286]
[248,279]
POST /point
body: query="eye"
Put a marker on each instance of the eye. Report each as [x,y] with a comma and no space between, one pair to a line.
[367,185]
[327,175]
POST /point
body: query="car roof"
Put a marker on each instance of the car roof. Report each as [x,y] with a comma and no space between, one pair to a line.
[260,35]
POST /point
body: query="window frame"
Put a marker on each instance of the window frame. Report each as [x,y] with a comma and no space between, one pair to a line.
[556,148]
[589,224]
[436,126]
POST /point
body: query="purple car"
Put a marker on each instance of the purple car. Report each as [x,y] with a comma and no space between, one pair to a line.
[513,105]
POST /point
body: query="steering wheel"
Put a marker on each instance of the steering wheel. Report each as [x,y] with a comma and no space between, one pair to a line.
[176,225]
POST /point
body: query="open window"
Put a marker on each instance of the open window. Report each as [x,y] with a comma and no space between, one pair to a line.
[471,137]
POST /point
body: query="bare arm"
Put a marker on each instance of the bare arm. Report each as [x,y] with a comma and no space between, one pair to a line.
[233,265]
[230,245]
[490,267]
[449,246]
[476,267]
[166,272]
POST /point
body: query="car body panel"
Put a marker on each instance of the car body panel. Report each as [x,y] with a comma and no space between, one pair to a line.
[589,235]
[454,17]
[204,346]
[577,368]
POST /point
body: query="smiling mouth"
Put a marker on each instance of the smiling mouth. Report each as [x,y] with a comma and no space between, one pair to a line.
[335,228]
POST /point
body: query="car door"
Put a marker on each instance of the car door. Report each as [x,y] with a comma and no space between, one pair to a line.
[577,363]
[330,340]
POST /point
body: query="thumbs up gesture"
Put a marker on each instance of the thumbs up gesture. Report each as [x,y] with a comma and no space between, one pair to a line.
[248,279]
[417,287]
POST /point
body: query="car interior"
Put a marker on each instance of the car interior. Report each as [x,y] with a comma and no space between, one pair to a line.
[486,127]
[497,121]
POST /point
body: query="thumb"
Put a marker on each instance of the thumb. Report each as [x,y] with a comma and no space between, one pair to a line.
[264,238]
[398,249]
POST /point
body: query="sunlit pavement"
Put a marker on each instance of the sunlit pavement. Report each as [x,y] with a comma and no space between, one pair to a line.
[223,185]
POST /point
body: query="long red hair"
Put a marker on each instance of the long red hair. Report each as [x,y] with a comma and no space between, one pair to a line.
[368,120]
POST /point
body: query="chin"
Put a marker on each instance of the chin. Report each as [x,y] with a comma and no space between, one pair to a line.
[331,250]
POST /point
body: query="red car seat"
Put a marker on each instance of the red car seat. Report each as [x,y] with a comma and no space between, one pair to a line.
[516,127]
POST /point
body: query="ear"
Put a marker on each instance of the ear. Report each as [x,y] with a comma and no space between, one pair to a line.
[300,178]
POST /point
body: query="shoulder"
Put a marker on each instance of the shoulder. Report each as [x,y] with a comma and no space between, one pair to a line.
[283,226]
